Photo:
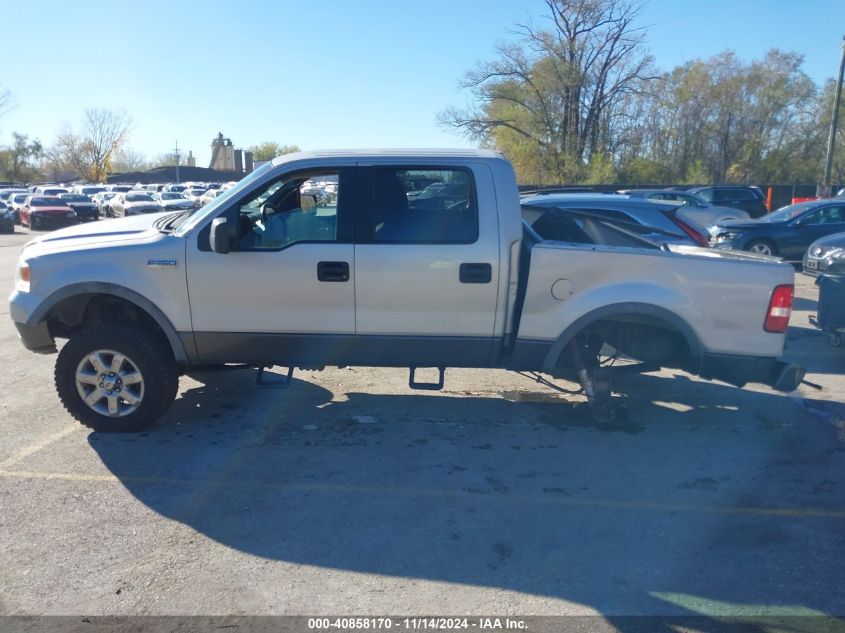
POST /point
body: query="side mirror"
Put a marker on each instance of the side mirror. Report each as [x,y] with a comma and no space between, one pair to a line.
[221,236]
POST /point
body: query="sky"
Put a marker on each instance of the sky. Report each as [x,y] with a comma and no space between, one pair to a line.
[324,73]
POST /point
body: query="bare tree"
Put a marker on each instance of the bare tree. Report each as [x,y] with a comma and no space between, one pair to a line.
[127,159]
[90,152]
[558,92]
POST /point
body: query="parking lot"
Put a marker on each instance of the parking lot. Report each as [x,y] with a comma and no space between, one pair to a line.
[348,493]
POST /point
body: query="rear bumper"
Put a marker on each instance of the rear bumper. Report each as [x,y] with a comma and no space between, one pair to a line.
[740,370]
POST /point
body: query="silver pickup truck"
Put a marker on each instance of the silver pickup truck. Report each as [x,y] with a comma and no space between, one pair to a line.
[415,259]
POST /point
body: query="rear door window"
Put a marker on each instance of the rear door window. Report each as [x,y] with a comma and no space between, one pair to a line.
[444,211]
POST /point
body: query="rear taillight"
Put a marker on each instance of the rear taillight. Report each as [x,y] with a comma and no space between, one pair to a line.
[780,309]
[694,234]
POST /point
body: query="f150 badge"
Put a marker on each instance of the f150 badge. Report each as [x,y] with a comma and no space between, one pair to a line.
[162,263]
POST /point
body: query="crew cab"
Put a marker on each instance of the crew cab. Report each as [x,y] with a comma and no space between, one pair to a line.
[267,275]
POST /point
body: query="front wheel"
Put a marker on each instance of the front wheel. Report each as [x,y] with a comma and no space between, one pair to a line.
[761,247]
[116,378]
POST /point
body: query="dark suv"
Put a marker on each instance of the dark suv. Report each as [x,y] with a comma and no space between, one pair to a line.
[749,199]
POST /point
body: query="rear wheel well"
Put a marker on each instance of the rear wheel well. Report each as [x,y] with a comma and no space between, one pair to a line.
[644,337]
[81,311]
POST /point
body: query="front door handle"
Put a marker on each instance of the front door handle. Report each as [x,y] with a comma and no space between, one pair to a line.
[475,273]
[332,271]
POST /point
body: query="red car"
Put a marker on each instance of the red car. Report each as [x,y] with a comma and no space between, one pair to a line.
[46,212]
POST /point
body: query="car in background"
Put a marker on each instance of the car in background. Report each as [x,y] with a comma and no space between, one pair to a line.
[6,198]
[194,195]
[48,190]
[89,190]
[86,211]
[16,202]
[8,192]
[173,201]
[209,196]
[696,209]
[841,193]
[132,203]
[101,201]
[660,222]
[825,256]
[749,199]
[786,233]
[46,212]
[174,187]
[7,219]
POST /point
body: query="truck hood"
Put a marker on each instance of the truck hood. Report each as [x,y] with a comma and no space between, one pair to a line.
[117,230]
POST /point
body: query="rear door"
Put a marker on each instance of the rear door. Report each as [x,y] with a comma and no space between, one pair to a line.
[426,265]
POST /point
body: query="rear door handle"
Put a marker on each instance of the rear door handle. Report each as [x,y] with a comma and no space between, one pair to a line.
[475,273]
[332,271]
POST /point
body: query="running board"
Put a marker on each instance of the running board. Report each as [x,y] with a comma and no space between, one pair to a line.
[426,386]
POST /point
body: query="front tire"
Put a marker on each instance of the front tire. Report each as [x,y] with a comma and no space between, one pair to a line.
[761,247]
[116,378]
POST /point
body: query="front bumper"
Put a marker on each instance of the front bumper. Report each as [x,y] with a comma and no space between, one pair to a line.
[50,222]
[36,338]
[740,370]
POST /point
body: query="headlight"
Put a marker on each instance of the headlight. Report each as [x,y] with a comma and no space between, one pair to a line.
[71,214]
[725,237]
[22,275]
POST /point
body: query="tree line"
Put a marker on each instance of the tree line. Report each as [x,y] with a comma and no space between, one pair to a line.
[96,147]
[578,98]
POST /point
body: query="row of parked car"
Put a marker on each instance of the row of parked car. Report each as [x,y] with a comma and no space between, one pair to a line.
[804,232]
[53,206]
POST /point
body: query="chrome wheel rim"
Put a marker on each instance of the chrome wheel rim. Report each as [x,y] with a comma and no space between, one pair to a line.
[109,383]
[761,249]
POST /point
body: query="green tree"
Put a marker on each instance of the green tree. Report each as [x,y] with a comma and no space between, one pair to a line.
[270,149]
[18,160]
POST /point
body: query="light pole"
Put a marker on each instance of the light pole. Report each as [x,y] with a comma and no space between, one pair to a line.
[831,141]
[176,153]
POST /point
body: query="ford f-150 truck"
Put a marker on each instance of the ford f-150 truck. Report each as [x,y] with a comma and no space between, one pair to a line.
[267,274]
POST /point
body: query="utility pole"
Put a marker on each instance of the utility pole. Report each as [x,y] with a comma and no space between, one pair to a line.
[176,153]
[831,141]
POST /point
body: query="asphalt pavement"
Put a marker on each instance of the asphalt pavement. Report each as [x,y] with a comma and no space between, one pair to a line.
[348,493]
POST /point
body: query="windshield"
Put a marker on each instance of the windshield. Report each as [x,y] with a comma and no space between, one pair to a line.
[788,213]
[73,197]
[172,196]
[139,197]
[220,200]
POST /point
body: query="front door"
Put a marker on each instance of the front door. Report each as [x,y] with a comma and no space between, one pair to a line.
[286,292]
[810,227]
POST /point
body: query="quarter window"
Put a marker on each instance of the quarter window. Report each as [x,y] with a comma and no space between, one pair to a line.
[423,205]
